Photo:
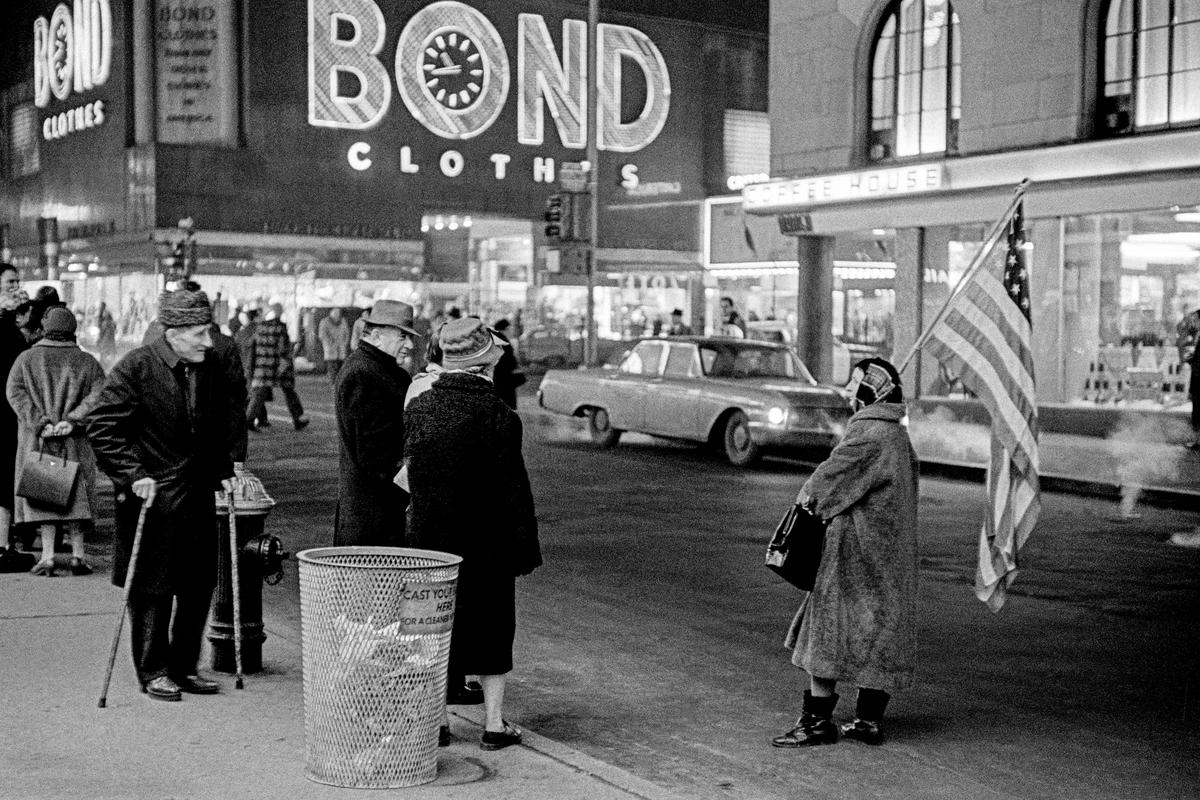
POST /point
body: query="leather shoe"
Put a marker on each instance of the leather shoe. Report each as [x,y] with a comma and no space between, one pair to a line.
[465,694]
[495,740]
[863,731]
[162,688]
[809,732]
[194,684]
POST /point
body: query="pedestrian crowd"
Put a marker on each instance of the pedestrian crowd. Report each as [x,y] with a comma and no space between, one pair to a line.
[430,456]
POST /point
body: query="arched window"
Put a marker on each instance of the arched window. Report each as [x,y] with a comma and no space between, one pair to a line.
[916,81]
[1151,58]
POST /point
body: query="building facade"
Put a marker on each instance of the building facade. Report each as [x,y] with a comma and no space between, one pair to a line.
[332,152]
[899,132]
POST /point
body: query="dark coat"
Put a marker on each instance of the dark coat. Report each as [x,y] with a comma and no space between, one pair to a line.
[508,375]
[859,623]
[56,382]
[229,354]
[369,394]
[139,428]
[471,497]
[12,344]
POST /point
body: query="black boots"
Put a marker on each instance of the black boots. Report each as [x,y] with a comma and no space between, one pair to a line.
[815,725]
[868,713]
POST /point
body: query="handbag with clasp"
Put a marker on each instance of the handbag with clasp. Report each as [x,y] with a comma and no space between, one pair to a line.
[794,552]
[47,480]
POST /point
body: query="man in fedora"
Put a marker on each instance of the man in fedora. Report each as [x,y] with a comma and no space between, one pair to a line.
[369,394]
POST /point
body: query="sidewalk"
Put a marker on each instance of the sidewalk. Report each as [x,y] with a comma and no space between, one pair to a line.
[56,743]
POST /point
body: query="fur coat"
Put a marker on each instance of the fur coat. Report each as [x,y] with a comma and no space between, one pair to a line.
[859,622]
[56,382]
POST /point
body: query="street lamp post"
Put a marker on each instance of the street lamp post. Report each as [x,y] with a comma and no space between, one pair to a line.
[593,156]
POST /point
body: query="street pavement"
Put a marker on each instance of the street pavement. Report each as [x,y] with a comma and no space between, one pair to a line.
[648,653]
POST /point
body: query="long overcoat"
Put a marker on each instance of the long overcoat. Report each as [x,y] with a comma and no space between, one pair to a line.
[55,382]
[471,497]
[141,427]
[369,394]
[859,622]
[12,344]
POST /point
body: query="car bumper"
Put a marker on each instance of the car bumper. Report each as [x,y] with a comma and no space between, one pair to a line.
[778,439]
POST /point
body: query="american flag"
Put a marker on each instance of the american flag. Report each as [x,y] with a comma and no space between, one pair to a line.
[984,339]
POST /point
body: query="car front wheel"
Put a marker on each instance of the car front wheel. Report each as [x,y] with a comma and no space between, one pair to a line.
[740,448]
[601,429]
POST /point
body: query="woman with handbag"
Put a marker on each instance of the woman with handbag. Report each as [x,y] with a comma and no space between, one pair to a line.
[52,387]
[859,622]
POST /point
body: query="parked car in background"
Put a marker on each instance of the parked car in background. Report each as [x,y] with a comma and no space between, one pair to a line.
[844,355]
[743,396]
[557,346]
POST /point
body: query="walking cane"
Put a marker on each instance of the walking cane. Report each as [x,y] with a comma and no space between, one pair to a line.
[133,554]
[237,593]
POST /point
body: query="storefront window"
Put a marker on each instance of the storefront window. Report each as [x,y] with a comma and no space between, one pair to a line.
[864,294]
[1128,280]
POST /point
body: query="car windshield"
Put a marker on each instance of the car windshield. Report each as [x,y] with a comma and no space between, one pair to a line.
[736,360]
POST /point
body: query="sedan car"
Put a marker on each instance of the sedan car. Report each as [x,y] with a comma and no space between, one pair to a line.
[743,396]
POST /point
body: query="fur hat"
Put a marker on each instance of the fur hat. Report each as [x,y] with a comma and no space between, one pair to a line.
[181,309]
[466,342]
[58,320]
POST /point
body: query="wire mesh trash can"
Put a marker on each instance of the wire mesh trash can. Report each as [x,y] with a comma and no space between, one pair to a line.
[375,633]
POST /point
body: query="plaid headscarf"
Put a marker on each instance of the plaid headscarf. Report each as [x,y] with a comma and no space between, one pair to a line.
[878,382]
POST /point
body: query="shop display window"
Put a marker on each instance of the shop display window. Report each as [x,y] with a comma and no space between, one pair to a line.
[1128,282]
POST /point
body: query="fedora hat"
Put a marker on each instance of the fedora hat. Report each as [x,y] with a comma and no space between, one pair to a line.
[393,314]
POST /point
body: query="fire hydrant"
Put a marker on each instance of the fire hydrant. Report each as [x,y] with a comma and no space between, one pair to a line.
[260,558]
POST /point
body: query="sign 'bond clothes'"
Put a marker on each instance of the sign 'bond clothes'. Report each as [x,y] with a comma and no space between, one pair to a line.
[454,74]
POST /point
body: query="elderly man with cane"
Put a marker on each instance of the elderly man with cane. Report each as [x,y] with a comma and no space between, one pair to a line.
[161,431]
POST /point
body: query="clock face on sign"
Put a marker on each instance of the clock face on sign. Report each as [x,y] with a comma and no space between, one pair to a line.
[455,70]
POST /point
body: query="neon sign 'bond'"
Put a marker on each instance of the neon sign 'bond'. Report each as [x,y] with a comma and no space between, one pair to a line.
[72,52]
[452,70]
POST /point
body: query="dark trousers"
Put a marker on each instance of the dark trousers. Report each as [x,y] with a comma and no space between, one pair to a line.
[258,402]
[162,645]
[333,366]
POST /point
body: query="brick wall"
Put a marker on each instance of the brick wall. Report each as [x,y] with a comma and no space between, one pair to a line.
[1022,77]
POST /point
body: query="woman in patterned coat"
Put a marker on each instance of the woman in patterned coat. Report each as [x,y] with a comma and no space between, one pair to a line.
[859,622]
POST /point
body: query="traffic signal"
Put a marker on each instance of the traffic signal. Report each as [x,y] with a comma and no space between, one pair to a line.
[554,216]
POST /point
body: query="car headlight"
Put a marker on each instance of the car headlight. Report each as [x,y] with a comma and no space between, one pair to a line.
[776,415]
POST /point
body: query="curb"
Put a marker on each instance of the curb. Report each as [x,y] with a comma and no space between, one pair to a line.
[1158,497]
[581,762]
[976,473]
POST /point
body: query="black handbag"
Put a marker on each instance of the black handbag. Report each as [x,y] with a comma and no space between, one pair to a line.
[795,550]
[47,481]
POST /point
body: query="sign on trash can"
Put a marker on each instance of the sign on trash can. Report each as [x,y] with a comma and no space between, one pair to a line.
[375,628]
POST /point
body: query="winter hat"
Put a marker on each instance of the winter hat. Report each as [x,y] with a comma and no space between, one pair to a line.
[182,308]
[466,342]
[60,321]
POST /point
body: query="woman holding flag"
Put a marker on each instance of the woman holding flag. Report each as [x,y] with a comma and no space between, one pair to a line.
[859,622]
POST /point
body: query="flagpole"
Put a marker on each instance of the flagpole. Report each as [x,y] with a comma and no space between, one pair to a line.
[989,242]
